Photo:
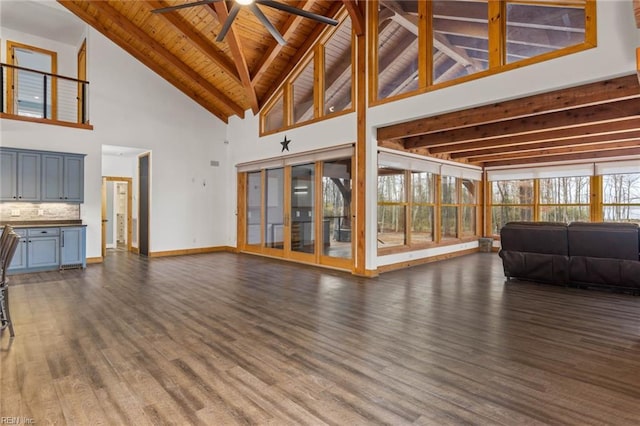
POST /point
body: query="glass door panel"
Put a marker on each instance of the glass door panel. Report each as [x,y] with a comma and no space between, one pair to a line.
[274,209]
[254,208]
[303,208]
[30,86]
[336,208]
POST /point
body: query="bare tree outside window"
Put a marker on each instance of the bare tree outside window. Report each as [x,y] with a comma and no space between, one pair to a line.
[621,197]
[511,200]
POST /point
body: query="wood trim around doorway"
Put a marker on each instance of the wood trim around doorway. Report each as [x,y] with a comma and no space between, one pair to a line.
[129,182]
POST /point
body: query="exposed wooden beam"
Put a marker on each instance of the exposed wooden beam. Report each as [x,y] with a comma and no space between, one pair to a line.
[589,147]
[579,140]
[274,49]
[158,49]
[565,157]
[565,135]
[620,88]
[357,18]
[573,118]
[302,50]
[240,60]
[205,46]
[77,9]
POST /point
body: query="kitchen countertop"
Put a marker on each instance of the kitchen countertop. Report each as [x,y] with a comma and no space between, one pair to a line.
[43,223]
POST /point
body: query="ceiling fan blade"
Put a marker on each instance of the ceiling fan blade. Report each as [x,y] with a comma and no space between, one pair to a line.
[182,6]
[305,14]
[256,11]
[227,23]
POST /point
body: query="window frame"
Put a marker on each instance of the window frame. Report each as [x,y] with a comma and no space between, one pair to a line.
[437,205]
[497,21]
[11,45]
[315,55]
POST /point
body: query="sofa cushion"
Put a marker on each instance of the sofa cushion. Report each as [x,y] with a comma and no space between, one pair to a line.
[535,237]
[604,240]
[549,268]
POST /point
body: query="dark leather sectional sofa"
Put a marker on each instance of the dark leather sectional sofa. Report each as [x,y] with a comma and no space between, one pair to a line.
[581,254]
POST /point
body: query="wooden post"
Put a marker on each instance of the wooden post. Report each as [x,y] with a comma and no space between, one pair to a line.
[359,231]
[638,56]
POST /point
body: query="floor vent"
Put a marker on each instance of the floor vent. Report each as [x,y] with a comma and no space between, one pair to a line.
[71,266]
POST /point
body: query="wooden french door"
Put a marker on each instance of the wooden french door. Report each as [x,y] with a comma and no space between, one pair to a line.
[299,212]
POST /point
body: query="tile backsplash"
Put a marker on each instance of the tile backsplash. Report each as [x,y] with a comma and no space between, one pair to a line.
[38,211]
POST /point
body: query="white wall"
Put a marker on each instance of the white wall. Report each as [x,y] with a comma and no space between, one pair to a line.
[132,106]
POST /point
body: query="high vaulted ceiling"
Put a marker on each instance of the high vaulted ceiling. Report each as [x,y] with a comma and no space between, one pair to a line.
[227,78]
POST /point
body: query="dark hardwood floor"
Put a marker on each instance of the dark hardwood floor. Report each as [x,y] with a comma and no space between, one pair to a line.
[223,339]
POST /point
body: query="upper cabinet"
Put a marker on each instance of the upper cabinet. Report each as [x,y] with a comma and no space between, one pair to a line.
[20,175]
[38,176]
[62,178]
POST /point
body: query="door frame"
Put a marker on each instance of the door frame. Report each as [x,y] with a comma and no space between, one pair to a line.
[11,45]
[129,182]
[146,194]
[316,258]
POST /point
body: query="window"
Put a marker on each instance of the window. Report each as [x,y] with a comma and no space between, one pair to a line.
[397,48]
[338,70]
[302,89]
[558,199]
[391,208]
[536,29]
[621,197]
[321,86]
[418,208]
[449,208]
[460,38]
[274,117]
[511,200]
[421,44]
[254,203]
[469,200]
[423,196]
[564,199]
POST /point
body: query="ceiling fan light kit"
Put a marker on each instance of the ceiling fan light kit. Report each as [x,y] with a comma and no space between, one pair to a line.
[252,5]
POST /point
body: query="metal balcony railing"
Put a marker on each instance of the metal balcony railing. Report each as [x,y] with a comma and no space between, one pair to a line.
[30,93]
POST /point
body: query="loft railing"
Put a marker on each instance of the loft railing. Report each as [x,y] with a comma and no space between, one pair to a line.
[41,95]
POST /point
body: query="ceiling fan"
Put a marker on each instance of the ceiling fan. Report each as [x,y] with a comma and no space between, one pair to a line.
[252,5]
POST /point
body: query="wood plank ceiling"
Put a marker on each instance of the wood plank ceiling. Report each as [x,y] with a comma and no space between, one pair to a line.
[227,78]
[596,120]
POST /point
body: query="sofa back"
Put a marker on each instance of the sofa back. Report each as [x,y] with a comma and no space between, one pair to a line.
[535,237]
[604,240]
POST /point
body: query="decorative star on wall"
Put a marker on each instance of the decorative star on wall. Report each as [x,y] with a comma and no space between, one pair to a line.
[285,143]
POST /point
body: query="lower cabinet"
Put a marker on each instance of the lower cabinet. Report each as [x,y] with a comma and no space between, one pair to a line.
[72,248]
[19,261]
[45,249]
[43,252]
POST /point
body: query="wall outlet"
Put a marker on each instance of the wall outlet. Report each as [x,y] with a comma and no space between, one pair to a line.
[15,212]
[40,212]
